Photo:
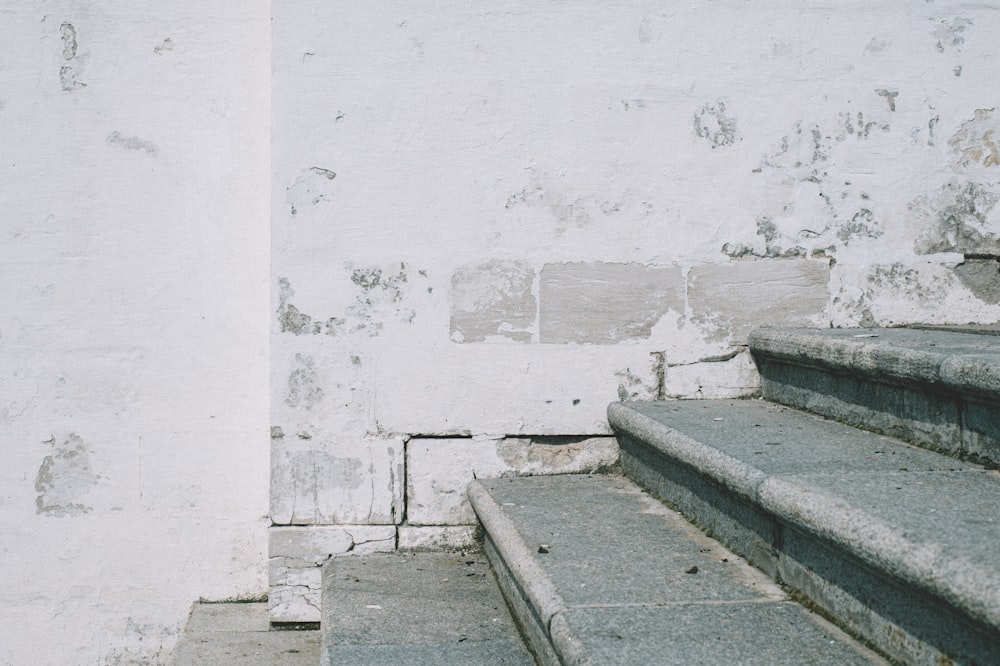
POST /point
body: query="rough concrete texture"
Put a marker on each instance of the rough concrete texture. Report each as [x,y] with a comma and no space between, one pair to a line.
[223,634]
[932,387]
[630,581]
[896,541]
[436,537]
[439,470]
[604,303]
[416,608]
[297,555]
[730,300]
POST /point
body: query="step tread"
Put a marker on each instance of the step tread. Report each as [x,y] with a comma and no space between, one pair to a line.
[416,608]
[963,362]
[613,585]
[925,517]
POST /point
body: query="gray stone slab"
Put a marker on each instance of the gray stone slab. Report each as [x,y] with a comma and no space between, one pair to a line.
[237,633]
[414,599]
[594,554]
[600,573]
[897,516]
[505,652]
[228,617]
[936,388]
[732,633]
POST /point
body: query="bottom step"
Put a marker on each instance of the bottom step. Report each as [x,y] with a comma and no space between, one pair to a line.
[224,634]
[433,609]
[599,572]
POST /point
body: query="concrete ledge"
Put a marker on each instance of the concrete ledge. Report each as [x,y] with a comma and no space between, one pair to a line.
[936,359]
[939,389]
[598,572]
[762,477]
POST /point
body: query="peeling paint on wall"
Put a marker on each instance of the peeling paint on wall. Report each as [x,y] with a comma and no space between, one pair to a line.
[950,33]
[64,478]
[69,72]
[302,388]
[962,216]
[312,186]
[712,124]
[493,302]
[132,143]
[384,296]
[977,141]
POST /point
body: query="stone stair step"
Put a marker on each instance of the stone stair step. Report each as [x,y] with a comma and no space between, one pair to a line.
[936,388]
[896,542]
[223,634]
[424,609]
[599,572]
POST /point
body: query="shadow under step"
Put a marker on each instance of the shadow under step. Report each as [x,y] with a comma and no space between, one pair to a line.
[934,388]
[419,609]
[897,543]
[598,572]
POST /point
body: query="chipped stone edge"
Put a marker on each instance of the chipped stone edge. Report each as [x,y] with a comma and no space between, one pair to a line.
[931,567]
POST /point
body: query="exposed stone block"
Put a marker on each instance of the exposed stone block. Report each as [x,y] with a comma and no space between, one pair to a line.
[330,540]
[723,378]
[436,537]
[605,303]
[440,469]
[295,588]
[730,300]
[297,555]
[493,302]
[319,480]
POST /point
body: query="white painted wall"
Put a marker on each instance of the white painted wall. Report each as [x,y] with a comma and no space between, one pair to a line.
[495,218]
[488,221]
[133,321]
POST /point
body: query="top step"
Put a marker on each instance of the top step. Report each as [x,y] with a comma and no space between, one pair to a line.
[939,389]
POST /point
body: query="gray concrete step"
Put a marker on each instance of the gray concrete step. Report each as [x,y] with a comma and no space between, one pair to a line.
[935,388]
[896,542]
[419,609]
[599,572]
[224,634]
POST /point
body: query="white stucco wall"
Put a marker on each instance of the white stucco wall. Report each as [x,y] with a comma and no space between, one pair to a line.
[133,322]
[494,219]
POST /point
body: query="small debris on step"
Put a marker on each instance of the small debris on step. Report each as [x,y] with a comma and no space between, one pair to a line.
[543,548]
[692,570]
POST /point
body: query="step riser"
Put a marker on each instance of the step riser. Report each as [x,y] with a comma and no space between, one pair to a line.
[937,390]
[904,624]
[529,624]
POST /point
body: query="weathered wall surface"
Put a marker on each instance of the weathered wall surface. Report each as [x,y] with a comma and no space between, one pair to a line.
[492,220]
[133,322]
